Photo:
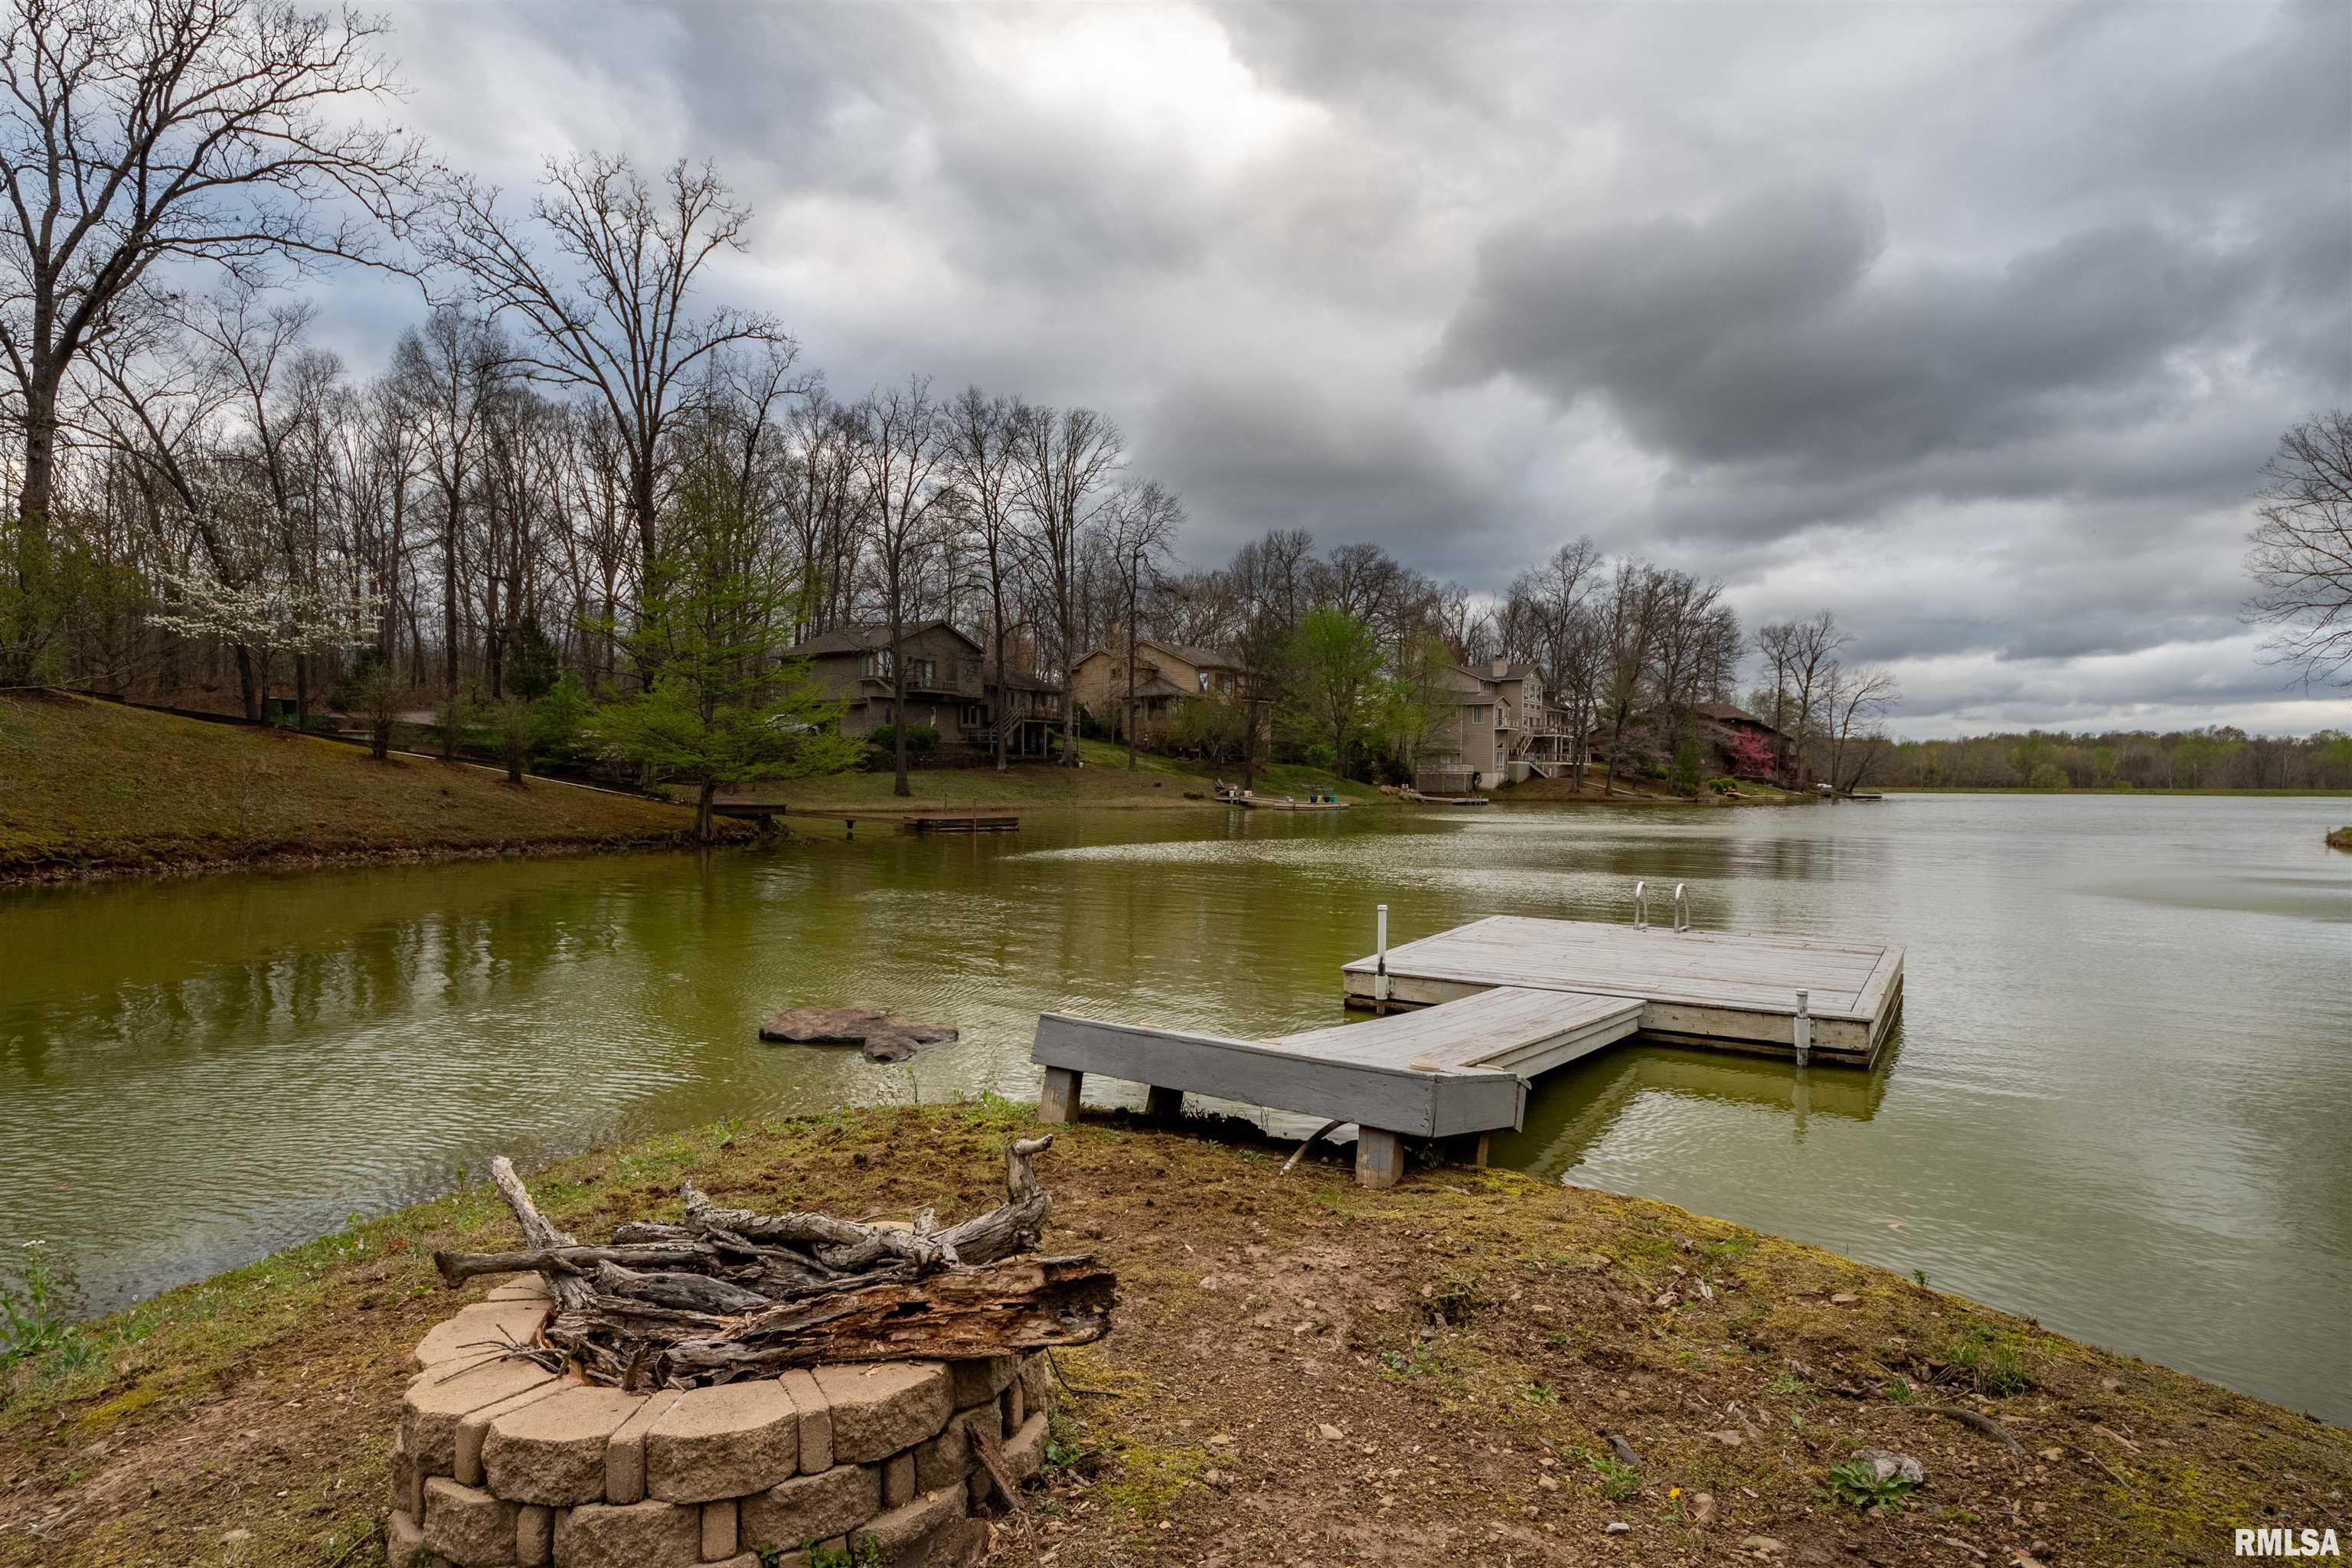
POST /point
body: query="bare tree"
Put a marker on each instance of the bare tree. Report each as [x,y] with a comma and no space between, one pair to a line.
[447,373]
[2300,554]
[983,445]
[1142,539]
[902,455]
[140,133]
[1628,615]
[1855,703]
[1068,457]
[608,310]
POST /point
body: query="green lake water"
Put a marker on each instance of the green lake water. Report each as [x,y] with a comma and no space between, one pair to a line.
[2120,1099]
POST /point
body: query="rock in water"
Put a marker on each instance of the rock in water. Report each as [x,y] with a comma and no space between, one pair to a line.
[885,1036]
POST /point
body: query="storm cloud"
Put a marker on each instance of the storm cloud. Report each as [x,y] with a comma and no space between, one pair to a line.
[1974,325]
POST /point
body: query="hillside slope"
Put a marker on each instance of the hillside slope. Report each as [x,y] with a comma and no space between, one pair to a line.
[92,787]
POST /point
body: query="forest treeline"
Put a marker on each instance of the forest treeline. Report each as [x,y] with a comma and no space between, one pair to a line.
[580,473]
[2221,757]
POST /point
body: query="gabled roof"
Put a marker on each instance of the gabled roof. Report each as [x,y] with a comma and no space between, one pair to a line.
[864,639]
[1197,657]
[1725,713]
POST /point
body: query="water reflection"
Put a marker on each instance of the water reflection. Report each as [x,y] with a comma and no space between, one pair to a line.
[2114,1099]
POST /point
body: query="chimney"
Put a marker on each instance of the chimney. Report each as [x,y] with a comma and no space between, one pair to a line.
[1501,667]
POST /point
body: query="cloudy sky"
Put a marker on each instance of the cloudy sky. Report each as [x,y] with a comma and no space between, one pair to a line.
[1972,323]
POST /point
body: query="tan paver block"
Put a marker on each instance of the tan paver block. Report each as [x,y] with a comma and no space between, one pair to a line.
[721,1524]
[883,1407]
[945,1460]
[639,1535]
[534,1535]
[436,1400]
[403,1539]
[474,1425]
[624,1456]
[723,1442]
[817,1419]
[479,1330]
[902,1528]
[810,1508]
[467,1524]
[1036,1381]
[898,1479]
[1025,1451]
[552,1451]
[972,1383]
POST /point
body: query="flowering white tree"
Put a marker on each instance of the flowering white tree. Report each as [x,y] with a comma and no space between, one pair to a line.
[271,612]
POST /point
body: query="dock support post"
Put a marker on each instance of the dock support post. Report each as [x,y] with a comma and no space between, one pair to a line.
[1059,1103]
[1380,1158]
[1803,1030]
[1163,1104]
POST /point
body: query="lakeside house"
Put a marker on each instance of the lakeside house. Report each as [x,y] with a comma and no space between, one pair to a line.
[1166,674]
[950,687]
[1493,725]
[1726,735]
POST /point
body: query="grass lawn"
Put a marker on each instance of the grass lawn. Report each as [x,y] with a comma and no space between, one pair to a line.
[95,786]
[1299,1370]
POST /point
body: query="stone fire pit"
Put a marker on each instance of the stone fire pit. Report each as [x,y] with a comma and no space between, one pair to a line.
[503,1464]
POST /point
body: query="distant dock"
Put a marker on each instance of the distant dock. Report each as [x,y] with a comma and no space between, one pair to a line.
[1474,1014]
[764,812]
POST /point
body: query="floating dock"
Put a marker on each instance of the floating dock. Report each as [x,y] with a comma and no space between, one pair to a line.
[1472,1017]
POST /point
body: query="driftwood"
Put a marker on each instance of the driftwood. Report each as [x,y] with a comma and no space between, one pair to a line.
[733,1293]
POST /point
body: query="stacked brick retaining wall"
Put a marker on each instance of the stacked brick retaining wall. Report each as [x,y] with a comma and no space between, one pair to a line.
[503,1464]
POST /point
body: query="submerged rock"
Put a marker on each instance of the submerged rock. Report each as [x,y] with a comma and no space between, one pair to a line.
[884,1036]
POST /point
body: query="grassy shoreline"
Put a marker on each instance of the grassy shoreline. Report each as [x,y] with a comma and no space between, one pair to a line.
[99,790]
[1469,1335]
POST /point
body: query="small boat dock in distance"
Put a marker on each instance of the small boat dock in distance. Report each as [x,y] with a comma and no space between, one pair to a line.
[1473,1015]
[1418,798]
[766,812]
[1249,800]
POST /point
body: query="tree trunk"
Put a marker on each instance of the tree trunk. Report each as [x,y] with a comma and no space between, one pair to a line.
[1130,686]
[703,795]
[301,691]
[899,786]
[247,685]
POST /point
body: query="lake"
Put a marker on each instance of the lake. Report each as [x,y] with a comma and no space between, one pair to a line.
[2120,1098]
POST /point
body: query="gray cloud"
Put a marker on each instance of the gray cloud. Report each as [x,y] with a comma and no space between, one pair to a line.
[1971,323]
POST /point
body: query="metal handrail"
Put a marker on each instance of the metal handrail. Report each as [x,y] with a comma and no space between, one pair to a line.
[1641,905]
[1682,908]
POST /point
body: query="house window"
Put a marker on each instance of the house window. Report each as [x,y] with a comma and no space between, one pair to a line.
[971,669]
[925,671]
[877,663]
[1204,680]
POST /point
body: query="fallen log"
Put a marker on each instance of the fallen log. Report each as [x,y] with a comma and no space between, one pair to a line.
[732,1292]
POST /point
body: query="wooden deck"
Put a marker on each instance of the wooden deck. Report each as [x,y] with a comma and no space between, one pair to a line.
[1698,988]
[908,820]
[1483,1010]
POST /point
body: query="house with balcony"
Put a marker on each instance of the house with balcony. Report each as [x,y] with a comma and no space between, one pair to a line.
[951,686]
[1166,674]
[1493,725]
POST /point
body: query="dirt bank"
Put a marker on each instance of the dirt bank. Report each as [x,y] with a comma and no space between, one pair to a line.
[1301,1373]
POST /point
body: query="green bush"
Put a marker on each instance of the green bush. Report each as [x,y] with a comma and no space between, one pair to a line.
[1723,787]
[1687,767]
[922,739]
[2047,775]
[557,719]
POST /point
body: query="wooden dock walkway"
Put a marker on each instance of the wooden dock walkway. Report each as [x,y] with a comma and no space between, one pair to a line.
[1473,1015]
[907,821]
